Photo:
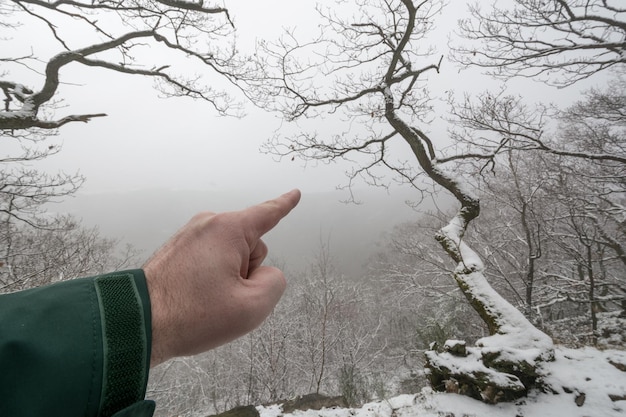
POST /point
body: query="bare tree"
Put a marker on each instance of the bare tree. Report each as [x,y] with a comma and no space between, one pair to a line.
[572,193]
[37,256]
[491,123]
[114,36]
[25,195]
[164,40]
[321,327]
[511,231]
[370,69]
[558,41]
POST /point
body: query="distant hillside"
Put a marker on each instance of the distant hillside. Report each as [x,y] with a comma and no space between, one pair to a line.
[147,218]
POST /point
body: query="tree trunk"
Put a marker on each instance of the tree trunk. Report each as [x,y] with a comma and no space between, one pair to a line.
[502,366]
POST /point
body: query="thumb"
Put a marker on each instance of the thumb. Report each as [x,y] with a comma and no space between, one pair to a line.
[266,284]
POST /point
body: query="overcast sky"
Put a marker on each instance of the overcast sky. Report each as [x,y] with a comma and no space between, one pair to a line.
[147,142]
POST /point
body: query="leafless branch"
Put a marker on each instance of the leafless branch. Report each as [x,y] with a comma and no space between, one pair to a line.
[558,41]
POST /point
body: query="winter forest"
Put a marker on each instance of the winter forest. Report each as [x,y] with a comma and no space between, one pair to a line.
[481,299]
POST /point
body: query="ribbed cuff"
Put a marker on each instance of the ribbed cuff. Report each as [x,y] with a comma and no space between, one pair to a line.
[126,339]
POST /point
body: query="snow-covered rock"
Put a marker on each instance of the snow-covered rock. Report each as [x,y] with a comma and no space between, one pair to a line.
[581,382]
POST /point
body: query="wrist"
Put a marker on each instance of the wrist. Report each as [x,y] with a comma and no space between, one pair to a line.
[158,303]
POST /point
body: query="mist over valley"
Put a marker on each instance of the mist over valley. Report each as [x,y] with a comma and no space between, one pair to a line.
[147,218]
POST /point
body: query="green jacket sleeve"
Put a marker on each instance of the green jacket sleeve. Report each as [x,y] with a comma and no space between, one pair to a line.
[77,348]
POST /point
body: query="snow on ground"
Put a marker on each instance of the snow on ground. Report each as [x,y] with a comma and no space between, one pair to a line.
[576,374]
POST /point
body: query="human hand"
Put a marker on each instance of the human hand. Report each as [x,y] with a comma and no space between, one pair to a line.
[207,285]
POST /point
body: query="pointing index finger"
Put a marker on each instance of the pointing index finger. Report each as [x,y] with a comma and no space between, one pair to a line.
[263,217]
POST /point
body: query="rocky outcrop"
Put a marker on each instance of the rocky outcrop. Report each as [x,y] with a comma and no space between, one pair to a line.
[240,411]
[313,402]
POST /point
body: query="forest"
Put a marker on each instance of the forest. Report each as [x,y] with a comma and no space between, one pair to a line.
[476,299]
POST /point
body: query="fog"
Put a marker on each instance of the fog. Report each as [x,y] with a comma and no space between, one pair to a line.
[150,142]
[176,149]
[542,265]
[354,233]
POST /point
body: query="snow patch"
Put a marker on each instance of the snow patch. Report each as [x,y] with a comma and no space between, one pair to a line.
[574,372]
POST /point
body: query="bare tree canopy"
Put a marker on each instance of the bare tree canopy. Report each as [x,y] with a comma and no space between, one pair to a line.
[559,41]
[146,38]
[348,71]
[371,69]
[183,46]
[492,122]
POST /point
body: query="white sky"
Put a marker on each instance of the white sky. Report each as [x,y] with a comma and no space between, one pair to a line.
[147,142]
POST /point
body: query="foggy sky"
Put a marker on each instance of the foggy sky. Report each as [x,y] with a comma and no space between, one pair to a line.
[148,142]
